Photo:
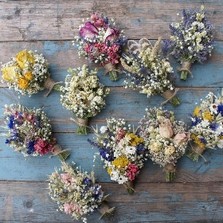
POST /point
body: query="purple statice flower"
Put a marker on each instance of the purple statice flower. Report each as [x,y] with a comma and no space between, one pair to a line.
[11,122]
[87,181]
[106,153]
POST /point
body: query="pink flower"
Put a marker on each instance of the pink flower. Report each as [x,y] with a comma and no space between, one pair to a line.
[66,178]
[132,171]
[180,138]
[42,146]
[165,128]
[88,31]
[69,208]
[111,34]
[120,134]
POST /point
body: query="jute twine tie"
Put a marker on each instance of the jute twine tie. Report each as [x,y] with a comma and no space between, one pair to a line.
[186,65]
[170,168]
[80,121]
[169,95]
[57,150]
[49,84]
[109,67]
[104,209]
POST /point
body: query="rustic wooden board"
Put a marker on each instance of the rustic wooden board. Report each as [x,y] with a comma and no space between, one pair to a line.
[201,202]
[48,27]
[47,20]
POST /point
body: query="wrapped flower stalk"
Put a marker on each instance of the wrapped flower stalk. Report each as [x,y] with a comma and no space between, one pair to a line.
[191,40]
[122,151]
[27,73]
[148,72]
[165,138]
[101,42]
[84,95]
[30,132]
[206,126]
[76,193]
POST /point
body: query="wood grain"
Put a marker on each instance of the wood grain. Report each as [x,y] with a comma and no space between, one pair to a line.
[162,202]
[55,20]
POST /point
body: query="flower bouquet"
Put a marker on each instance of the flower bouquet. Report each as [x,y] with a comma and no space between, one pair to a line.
[84,95]
[122,151]
[27,73]
[165,138]
[101,41]
[76,193]
[207,126]
[30,132]
[191,40]
[147,71]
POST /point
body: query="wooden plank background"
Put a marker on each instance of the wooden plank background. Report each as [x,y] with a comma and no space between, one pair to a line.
[49,26]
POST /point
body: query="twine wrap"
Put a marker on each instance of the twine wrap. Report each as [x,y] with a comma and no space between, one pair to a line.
[198,150]
[49,84]
[109,67]
[80,121]
[169,94]
[105,210]
[186,65]
[129,186]
[169,168]
[57,151]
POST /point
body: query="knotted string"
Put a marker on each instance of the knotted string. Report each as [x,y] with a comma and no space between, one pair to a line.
[169,95]
[49,84]
[186,65]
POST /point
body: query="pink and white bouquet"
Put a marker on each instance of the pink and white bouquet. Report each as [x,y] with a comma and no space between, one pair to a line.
[30,132]
[122,151]
[101,42]
[27,73]
[76,193]
[165,139]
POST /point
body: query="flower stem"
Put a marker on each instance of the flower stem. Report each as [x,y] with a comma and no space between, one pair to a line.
[170,176]
[183,75]
[113,75]
[57,87]
[105,210]
[129,186]
[170,172]
[175,101]
[82,130]
[64,155]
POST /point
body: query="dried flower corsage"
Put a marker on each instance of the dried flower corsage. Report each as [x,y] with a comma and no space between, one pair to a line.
[165,138]
[30,132]
[28,73]
[76,193]
[101,41]
[147,71]
[122,151]
[191,39]
[84,95]
[207,126]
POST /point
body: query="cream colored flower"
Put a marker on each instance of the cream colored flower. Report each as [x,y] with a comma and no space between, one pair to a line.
[169,150]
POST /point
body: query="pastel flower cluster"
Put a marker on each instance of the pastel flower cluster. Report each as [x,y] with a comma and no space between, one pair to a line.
[83,94]
[146,70]
[191,39]
[75,192]
[30,132]
[26,72]
[165,138]
[101,41]
[207,127]
[121,149]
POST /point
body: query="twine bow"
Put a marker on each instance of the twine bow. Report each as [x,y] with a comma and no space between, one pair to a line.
[49,84]
[169,95]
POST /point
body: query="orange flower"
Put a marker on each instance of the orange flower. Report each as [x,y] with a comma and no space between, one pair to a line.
[28,75]
[23,83]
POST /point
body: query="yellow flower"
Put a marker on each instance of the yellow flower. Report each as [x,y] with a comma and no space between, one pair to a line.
[169,150]
[134,139]
[109,170]
[9,73]
[197,111]
[23,57]
[121,162]
[28,75]
[197,141]
[23,83]
[207,116]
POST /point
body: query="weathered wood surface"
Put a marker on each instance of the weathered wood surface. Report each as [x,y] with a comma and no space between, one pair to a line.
[48,27]
[44,20]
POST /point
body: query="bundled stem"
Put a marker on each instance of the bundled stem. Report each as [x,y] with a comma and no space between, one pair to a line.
[110,69]
[170,172]
[130,187]
[195,152]
[185,70]
[82,125]
[105,210]
[62,154]
[50,85]
[170,96]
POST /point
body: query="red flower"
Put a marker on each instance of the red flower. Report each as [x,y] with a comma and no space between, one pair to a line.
[42,146]
[132,171]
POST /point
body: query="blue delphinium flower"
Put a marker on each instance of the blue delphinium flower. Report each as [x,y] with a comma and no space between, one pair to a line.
[30,147]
